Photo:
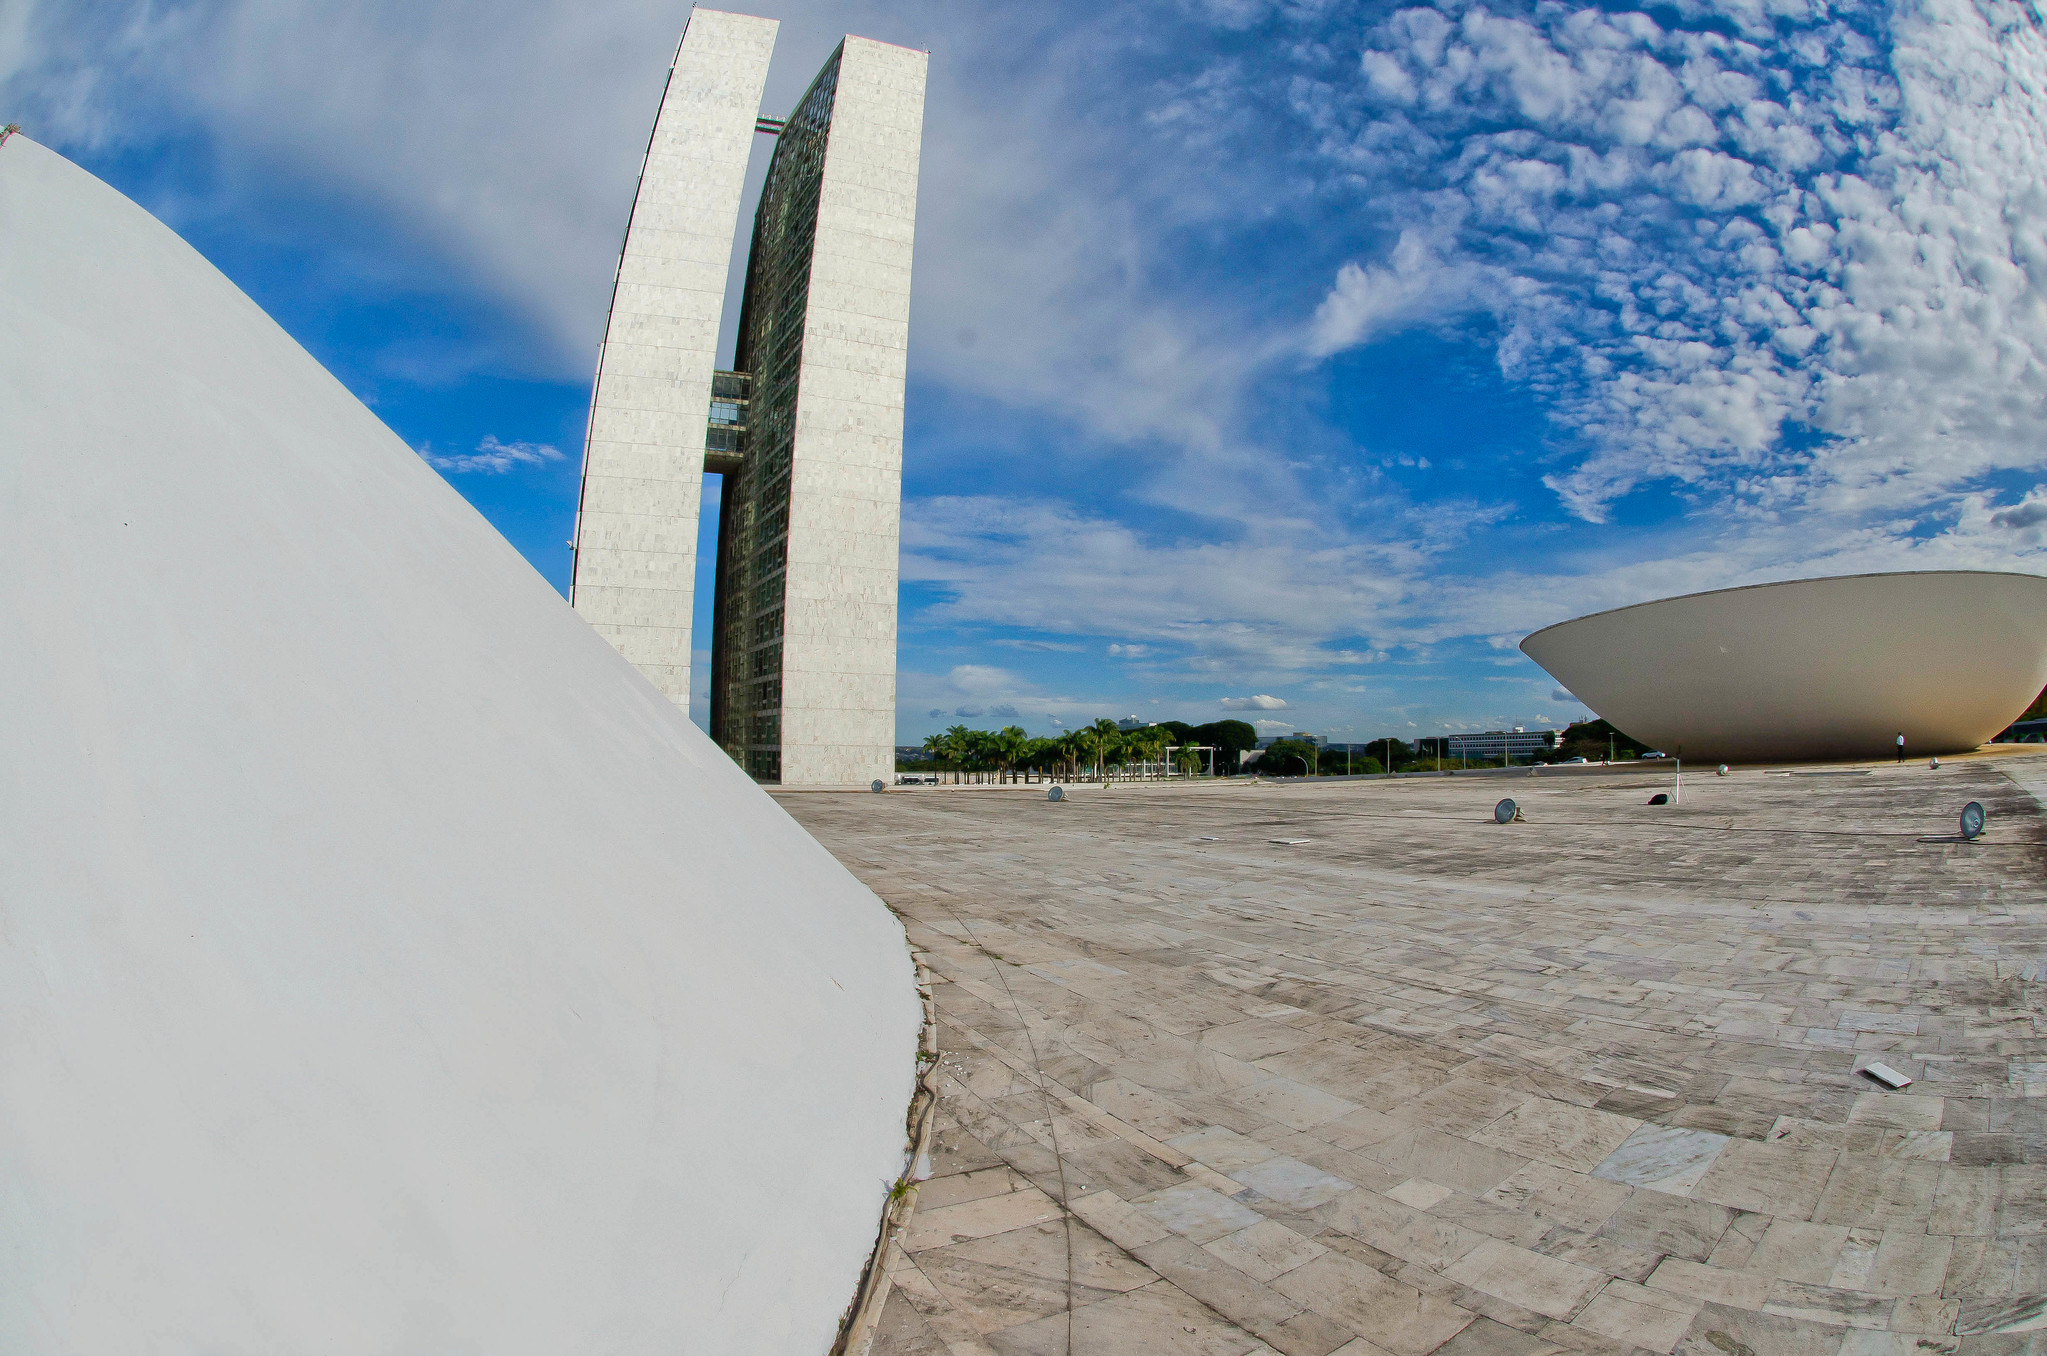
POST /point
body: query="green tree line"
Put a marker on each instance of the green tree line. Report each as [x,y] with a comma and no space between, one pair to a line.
[1093,750]
[1105,749]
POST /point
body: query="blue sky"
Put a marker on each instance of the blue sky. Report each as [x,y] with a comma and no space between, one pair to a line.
[1281,360]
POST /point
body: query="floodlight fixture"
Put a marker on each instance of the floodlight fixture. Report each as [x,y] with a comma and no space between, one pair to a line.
[1056,793]
[1506,812]
[1973,818]
[879,786]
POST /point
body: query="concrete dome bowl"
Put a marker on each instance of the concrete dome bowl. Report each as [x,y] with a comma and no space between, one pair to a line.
[1813,668]
[385,964]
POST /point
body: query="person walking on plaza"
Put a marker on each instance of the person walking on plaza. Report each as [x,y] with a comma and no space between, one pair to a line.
[1901,748]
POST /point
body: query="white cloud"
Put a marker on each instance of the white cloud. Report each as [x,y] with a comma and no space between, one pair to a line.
[492,457]
[982,679]
[1259,702]
[1047,646]
[2027,514]
[1413,287]
[1272,725]
[1559,694]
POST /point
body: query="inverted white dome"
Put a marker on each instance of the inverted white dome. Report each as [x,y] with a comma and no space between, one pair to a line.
[1812,668]
[385,966]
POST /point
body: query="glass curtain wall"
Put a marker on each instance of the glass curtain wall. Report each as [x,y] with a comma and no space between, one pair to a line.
[753,514]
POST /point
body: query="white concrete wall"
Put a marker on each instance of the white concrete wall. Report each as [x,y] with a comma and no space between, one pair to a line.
[643,463]
[385,965]
[839,650]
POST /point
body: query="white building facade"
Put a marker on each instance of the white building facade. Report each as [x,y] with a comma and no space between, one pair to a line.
[387,966]
[807,428]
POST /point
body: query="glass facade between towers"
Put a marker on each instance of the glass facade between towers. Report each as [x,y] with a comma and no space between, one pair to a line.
[725,434]
[753,514]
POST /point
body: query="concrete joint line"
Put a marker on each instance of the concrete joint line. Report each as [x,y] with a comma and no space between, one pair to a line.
[1123,1130]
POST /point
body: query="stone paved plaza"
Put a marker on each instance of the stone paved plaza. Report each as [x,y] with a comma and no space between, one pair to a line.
[1425,1083]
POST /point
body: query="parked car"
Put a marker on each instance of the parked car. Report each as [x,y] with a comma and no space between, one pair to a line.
[1569,761]
[1652,754]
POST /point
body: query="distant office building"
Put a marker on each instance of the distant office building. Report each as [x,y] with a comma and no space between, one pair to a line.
[1515,743]
[806,429]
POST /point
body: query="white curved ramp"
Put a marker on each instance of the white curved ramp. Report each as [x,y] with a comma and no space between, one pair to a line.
[1812,668]
[385,966]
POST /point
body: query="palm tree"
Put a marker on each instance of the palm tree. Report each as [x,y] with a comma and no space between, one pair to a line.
[959,747]
[987,750]
[1071,750]
[1189,761]
[1108,745]
[1009,745]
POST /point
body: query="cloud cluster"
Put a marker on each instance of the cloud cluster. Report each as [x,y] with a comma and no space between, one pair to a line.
[1257,702]
[1262,598]
[986,693]
[1791,260]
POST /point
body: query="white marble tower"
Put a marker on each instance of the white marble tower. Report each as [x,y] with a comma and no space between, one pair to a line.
[807,429]
[634,577]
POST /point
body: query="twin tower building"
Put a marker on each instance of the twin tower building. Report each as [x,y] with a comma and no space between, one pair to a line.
[805,428]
